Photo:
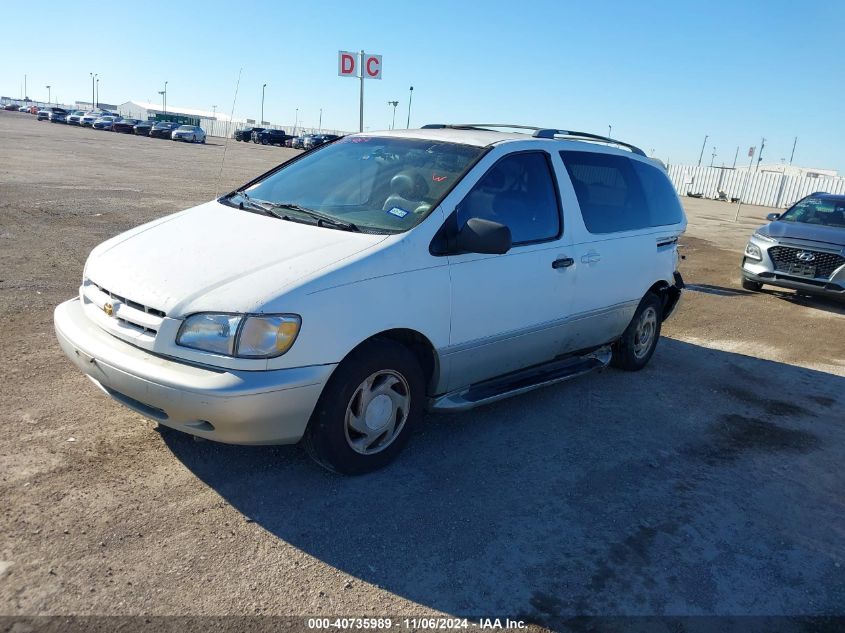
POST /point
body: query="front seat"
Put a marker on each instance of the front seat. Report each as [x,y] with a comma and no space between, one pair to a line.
[407,190]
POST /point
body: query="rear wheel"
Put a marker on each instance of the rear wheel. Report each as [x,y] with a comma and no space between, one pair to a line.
[751,285]
[637,344]
[368,409]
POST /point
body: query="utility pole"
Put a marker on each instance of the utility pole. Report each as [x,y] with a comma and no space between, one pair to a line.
[165,97]
[320,124]
[361,104]
[295,121]
[93,78]
[214,111]
[262,104]
[702,150]
[97,98]
[25,97]
[792,155]
[713,157]
[745,186]
[760,153]
[394,104]
[50,100]
[410,99]
[735,156]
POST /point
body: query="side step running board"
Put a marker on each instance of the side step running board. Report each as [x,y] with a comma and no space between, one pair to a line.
[521,381]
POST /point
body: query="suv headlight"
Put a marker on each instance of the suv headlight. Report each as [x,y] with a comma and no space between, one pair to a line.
[752,251]
[240,335]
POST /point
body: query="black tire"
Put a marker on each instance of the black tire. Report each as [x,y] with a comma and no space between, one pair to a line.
[628,353]
[325,438]
[755,286]
[264,141]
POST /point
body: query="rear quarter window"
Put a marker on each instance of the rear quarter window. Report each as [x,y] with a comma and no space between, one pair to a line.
[617,193]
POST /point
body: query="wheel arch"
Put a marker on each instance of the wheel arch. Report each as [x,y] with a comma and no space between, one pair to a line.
[419,344]
[668,295]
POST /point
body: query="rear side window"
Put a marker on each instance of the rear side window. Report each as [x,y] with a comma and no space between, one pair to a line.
[616,193]
[518,192]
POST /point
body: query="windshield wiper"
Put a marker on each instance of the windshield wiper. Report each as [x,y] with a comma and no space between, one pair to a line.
[261,205]
[322,220]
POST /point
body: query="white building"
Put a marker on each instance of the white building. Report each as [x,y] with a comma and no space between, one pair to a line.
[795,170]
[143,110]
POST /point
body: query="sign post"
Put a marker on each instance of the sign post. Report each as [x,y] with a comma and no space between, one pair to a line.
[366,66]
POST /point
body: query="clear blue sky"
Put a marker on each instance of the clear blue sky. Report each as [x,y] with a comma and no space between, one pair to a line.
[663,74]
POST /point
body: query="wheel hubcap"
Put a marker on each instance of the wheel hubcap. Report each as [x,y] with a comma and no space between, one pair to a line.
[644,334]
[377,412]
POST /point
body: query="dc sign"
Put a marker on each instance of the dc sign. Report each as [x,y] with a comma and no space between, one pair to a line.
[362,66]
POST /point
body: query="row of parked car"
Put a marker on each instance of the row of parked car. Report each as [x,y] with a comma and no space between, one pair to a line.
[281,138]
[113,122]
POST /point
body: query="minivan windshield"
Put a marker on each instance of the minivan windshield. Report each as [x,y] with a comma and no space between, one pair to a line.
[823,211]
[383,184]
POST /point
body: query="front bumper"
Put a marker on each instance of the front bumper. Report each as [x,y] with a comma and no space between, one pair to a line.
[764,271]
[235,407]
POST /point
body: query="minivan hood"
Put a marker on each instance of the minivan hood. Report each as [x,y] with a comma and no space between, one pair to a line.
[217,258]
[803,231]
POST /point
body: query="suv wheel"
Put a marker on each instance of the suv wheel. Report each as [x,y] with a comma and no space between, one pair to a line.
[368,409]
[751,285]
[637,344]
[264,141]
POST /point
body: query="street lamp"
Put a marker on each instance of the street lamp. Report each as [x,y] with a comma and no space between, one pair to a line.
[262,103]
[295,121]
[410,98]
[163,107]
[394,104]
[702,149]
[165,97]
[320,123]
[713,157]
[214,111]
[49,100]
[93,78]
[97,98]
[609,127]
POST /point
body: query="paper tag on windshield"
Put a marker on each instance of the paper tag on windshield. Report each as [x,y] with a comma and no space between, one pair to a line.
[399,213]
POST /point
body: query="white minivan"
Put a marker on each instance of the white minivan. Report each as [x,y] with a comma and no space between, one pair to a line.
[338,296]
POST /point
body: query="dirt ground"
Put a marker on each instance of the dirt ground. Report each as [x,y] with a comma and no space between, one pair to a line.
[709,483]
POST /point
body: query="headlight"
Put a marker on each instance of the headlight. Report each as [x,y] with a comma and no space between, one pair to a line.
[753,251]
[244,336]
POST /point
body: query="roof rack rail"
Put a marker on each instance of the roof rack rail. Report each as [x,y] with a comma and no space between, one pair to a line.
[551,133]
[539,132]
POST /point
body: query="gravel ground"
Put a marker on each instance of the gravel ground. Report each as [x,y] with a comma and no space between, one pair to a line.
[709,483]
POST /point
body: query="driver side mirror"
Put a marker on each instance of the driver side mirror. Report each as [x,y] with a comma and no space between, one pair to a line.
[773,216]
[484,236]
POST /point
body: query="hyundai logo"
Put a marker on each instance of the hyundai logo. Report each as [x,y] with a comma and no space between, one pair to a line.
[805,256]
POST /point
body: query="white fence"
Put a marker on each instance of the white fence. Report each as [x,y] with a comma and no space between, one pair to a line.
[766,189]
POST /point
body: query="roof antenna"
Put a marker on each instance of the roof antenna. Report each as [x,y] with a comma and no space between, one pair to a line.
[226,143]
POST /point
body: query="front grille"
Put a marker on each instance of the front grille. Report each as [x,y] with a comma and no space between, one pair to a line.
[143,319]
[786,260]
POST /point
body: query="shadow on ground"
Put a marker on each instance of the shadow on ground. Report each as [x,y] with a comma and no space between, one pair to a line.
[709,483]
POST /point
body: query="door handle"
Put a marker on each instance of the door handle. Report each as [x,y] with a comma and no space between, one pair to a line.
[563,262]
[590,258]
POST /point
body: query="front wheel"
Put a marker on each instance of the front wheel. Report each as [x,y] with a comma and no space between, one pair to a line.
[368,409]
[637,344]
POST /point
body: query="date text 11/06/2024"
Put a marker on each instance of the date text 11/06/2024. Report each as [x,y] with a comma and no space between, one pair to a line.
[432,624]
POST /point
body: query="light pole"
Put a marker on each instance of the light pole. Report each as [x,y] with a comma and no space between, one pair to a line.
[320,124]
[394,104]
[161,92]
[609,127]
[165,97]
[760,154]
[49,99]
[97,97]
[295,121]
[713,157]
[262,104]
[410,99]
[702,150]
[93,78]
[214,111]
